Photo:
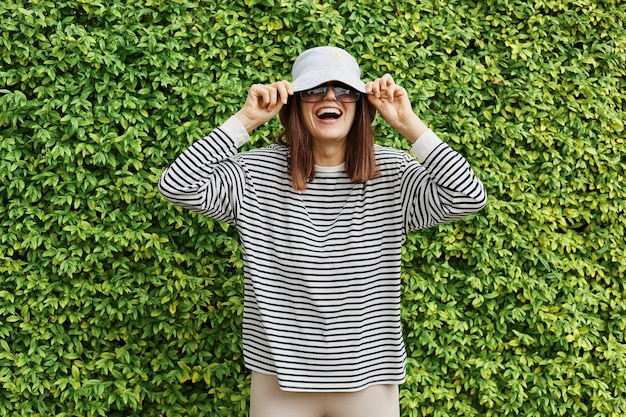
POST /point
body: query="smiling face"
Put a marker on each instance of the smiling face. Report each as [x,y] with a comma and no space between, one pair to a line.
[329,119]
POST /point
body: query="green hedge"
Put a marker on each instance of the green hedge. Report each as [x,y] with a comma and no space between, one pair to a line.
[113,302]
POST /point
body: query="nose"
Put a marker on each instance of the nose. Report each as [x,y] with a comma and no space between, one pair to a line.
[330,90]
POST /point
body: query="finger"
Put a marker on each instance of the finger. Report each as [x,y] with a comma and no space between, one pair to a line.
[272,99]
[254,92]
[388,86]
[391,92]
[284,90]
[387,80]
[400,91]
[259,95]
[373,87]
[271,96]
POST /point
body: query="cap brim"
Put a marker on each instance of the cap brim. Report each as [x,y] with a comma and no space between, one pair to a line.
[314,78]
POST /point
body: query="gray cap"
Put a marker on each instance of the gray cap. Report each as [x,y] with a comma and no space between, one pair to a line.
[320,65]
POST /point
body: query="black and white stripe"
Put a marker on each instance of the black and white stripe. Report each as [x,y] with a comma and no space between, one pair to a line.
[322,266]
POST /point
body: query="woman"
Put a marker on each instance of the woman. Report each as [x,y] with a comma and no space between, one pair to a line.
[321,219]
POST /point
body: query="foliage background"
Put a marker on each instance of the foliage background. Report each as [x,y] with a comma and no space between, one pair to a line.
[115,303]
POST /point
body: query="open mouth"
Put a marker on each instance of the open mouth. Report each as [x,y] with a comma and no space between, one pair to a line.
[329,113]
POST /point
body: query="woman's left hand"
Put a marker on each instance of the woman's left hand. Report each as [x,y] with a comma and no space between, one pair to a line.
[393,104]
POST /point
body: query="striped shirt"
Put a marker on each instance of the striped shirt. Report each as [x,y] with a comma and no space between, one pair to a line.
[322,266]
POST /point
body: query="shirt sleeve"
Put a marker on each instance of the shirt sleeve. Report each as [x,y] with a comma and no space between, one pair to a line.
[441,187]
[205,178]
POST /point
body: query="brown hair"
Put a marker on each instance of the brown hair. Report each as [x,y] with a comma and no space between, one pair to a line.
[360,159]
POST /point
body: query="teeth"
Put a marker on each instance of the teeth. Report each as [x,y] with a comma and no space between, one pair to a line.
[329,112]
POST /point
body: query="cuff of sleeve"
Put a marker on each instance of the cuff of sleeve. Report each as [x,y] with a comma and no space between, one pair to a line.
[425,144]
[235,130]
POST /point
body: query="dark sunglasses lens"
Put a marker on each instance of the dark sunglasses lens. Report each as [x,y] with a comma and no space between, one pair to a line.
[346,95]
[317,94]
[313,95]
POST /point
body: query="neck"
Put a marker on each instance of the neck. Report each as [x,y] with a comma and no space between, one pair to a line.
[329,154]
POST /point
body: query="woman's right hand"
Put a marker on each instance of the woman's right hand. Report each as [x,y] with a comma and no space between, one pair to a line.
[264,101]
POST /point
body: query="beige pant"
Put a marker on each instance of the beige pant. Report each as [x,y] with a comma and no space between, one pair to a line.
[268,400]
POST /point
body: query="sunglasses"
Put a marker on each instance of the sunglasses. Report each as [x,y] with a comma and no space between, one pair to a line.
[317,94]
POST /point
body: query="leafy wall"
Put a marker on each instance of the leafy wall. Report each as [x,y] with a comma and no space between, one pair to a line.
[115,303]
